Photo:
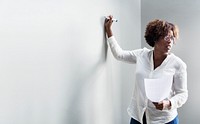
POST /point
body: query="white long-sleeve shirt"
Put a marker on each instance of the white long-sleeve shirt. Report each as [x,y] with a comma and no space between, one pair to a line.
[172,65]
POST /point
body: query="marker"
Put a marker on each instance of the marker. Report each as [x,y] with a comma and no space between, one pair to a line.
[114,20]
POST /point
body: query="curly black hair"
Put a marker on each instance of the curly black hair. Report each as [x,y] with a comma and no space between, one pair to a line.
[157,29]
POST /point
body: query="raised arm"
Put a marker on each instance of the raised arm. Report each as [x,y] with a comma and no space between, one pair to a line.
[118,53]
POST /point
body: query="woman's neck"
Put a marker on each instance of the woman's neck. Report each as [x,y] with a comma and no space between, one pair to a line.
[158,58]
[159,55]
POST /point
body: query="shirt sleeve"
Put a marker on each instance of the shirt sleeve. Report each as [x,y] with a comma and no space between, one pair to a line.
[180,88]
[120,54]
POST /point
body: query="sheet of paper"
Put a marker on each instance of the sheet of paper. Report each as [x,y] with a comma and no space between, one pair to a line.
[158,89]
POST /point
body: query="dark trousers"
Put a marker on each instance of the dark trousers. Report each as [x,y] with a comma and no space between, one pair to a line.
[133,121]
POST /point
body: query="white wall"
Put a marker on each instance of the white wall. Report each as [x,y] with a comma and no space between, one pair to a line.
[184,13]
[54,64]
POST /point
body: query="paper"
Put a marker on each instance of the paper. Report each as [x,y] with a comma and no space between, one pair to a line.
[158,89]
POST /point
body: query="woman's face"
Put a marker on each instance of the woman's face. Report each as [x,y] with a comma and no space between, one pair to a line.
[164,44]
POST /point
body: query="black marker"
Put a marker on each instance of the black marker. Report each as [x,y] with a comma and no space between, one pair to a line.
[114,20]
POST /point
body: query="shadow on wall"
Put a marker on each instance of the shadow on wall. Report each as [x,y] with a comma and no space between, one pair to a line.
[81,104]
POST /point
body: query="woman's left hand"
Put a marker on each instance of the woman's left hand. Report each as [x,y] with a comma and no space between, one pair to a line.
[162,105]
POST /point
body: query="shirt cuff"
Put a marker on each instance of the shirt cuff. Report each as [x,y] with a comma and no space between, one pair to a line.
[172,104]
[111,39]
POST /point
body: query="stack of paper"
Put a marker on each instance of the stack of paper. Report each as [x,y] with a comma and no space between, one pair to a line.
[158,89]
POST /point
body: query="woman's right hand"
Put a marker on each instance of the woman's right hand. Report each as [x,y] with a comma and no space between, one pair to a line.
[108,24]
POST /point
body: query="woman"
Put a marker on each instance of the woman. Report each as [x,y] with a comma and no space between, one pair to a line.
[154,63]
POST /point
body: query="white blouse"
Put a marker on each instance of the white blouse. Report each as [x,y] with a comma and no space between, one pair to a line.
[172,65]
